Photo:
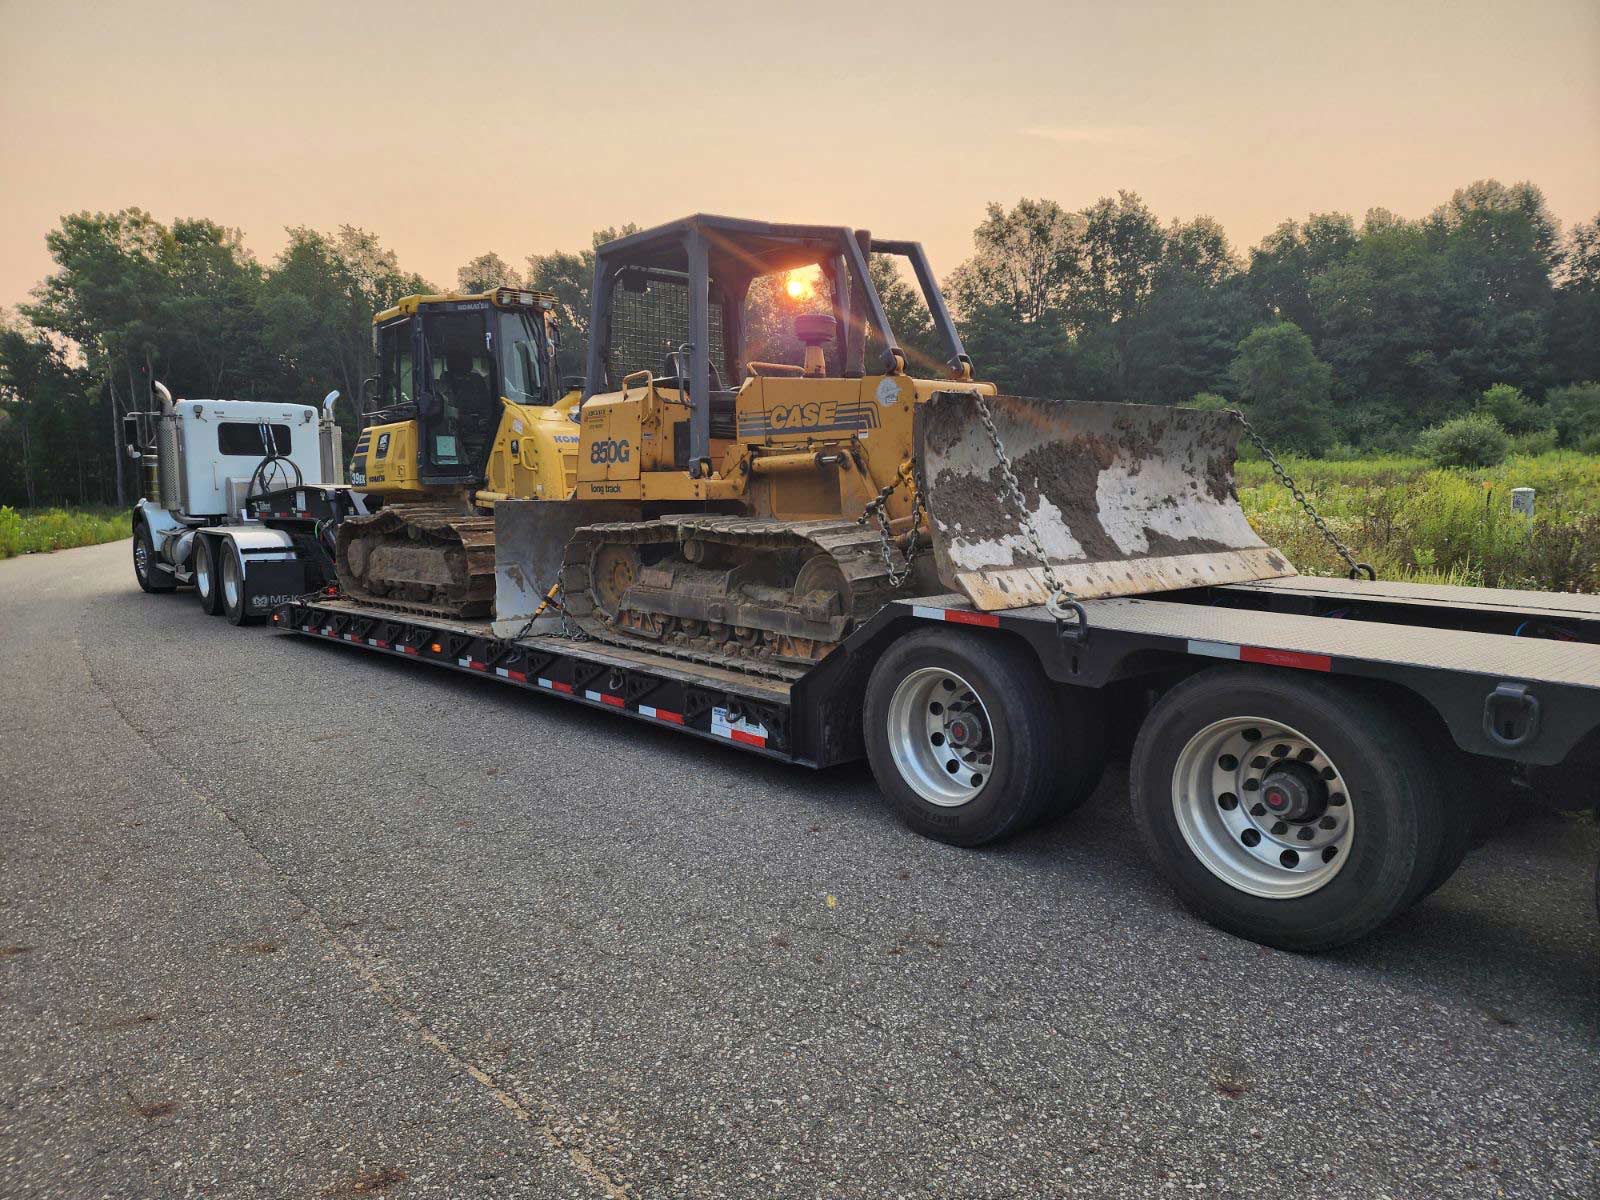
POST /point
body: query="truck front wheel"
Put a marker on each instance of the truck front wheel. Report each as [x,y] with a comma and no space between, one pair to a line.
[961,733]
[1293,812]
[151,578]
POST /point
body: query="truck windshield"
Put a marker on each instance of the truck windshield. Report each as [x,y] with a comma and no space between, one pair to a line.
[522,358]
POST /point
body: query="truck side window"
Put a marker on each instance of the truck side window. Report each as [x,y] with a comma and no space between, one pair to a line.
[252,439]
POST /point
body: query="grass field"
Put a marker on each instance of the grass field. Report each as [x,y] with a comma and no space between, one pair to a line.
[1412,521]
[33,531]
[1405,518]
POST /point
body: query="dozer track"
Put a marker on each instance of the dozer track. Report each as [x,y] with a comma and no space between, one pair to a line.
[431,559]
[750,593]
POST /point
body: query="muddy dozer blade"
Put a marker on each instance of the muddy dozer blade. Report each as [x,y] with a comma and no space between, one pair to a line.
[1127,499]
[529,537]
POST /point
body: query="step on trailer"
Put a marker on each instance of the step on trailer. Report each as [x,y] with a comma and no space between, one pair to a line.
[1309,756]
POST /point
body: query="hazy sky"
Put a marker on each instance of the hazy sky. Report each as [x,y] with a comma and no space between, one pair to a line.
[453,129]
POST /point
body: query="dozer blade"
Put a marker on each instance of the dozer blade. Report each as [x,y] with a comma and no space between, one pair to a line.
[529,538]
[1127,499]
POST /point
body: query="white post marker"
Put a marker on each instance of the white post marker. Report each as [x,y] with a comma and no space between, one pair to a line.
[1522,501]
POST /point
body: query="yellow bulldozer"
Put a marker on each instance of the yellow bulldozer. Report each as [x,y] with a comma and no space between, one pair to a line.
[751,512]
[469,410]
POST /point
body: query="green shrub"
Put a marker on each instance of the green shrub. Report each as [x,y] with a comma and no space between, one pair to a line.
[1534,443]
[10,532]
[35,532]
[1575,410]
[1209,402]
[1475,440]
[1514,412]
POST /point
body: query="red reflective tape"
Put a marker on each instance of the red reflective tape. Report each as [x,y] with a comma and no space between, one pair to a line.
[409,649]
[960,616]
[614,701]
[381,644]
[519,676]
[350,637]
[749,739]
[562,687]
[1285,658]
[476,665]
[671,717]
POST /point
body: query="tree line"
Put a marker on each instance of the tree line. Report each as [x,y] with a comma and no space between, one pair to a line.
[1333,336]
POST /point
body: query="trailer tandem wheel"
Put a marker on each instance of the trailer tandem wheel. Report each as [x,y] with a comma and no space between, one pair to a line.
[961,732]
[1294,812]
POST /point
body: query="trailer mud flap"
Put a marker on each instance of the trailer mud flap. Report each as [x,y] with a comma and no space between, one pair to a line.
[529,539]
[1126,499]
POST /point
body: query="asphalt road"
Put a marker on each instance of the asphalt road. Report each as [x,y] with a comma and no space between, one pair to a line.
[280,919]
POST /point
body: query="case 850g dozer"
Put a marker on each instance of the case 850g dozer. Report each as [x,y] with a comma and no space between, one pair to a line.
[754,512]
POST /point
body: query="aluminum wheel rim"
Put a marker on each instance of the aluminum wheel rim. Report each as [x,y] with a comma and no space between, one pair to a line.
[1221,785]
[941,737]
[202,573]
[230,581]
[141,558]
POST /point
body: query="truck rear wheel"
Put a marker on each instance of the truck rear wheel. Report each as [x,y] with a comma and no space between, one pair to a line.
[151,578]
[231,577]
[1290,811]
[205,576]
[960,731]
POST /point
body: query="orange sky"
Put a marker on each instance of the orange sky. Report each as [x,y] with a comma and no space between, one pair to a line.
[452,129]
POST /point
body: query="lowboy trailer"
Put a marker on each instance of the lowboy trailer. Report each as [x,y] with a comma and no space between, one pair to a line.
[1309,756]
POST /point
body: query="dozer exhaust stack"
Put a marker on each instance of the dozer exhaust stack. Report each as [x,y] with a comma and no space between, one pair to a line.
[1126,499]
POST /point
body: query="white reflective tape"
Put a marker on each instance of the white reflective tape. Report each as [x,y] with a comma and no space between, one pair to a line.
[1214,649]
[463,662]
[931,614]
[595,696]
[502,672]
[545,683]
[647,710]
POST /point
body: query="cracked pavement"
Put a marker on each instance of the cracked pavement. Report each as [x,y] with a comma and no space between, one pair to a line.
[279,919]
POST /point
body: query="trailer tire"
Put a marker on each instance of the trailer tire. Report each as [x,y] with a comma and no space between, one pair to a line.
[1347,770]
[940,697]
[205,576]
[1080,717]
[150,577]
[235,605]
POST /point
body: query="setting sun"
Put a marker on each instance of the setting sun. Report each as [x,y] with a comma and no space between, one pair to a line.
[798,287]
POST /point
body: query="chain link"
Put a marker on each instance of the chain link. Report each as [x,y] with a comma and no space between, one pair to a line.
[875,509]
[1062,603]
[1357,569]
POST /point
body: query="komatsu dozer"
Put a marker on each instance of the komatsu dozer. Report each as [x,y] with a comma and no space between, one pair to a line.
[469,410]
[750,513]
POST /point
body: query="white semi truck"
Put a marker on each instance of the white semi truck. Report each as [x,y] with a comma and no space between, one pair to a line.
[240,500]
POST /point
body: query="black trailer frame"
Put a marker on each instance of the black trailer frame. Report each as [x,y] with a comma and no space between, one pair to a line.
[1512,675]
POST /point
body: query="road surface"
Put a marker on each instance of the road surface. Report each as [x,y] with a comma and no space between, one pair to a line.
[281,919]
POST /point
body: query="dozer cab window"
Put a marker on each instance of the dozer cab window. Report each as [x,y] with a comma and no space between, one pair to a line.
[460,374]
[396,364]
[524,366]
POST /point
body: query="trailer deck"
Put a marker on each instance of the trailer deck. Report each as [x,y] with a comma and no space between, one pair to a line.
[1526,698]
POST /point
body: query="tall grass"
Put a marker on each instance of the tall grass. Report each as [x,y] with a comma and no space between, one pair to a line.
[1412,521]
[35,531]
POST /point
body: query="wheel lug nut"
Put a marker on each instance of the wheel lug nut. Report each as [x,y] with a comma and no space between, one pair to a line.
[1258,810]
[1305,833]
[1279,827]
[1327,823]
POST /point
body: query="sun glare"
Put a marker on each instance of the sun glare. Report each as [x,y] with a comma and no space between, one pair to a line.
[797,288]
